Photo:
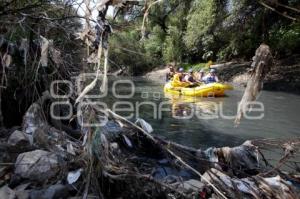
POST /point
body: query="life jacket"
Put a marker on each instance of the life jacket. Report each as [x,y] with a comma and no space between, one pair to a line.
[210,79]
[169,76]
[191,78]
[176,82]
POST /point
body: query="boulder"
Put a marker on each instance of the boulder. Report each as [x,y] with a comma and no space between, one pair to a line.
[52,192]
[21,191]
[193,184]
[7,193]
[17,138]
[189,186]
[22,194]
[37,165]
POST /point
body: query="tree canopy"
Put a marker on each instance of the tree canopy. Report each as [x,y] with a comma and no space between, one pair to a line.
[200,30]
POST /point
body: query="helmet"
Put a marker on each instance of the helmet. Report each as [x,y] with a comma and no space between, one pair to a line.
[190,70]
[180,70]
[202,70]
[212,70]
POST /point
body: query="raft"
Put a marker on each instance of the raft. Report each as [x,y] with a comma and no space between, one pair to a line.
[203,90]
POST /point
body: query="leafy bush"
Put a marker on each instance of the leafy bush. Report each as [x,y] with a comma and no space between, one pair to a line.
[200,19]
[128,52]
[154,44]
[173,47]
[285,39]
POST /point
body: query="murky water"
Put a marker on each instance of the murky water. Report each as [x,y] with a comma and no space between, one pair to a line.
[181,119]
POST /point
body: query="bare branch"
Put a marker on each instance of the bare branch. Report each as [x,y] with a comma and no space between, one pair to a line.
[282,14]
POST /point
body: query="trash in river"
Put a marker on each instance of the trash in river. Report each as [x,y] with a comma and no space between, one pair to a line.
[146,126]
[73,176]
[122,159]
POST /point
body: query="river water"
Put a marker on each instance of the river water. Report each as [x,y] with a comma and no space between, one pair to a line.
[200,122]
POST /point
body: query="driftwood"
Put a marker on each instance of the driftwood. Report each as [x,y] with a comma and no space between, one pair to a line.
[262,62]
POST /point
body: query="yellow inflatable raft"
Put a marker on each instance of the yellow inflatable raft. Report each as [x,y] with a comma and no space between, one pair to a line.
[203,90]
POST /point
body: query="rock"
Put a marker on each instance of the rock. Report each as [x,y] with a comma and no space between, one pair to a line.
[53,192]
[7,193]
[22,194]
[241,79]
[158,74]
[17,138]
[37,165]
[191,185]
[16,143]
[230,70]
[33,119]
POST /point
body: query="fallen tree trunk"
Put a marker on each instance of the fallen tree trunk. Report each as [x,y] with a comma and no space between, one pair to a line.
[262,62]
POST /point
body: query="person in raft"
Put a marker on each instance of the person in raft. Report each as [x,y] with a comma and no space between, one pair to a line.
[170,74]
[178,78]
[201,74]
[190,77]
[211,77]
[181,74]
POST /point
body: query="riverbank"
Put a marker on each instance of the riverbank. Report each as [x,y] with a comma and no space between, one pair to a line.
[158,74]
[283,76]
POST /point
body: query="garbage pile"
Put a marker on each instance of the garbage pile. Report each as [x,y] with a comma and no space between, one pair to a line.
[124,160]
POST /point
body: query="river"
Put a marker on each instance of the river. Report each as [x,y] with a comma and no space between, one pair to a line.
[182,118]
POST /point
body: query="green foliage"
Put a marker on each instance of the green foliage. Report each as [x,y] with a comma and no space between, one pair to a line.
[195,67]
[200,20]
[154,43]
[285,39]
[127,51]
[173,46]
[194,31]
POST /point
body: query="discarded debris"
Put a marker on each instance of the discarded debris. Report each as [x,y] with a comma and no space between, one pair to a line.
[44,51]
[73,176]
[122,159]
[145,125]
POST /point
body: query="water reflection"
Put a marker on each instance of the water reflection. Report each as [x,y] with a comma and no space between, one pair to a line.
[187,106]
